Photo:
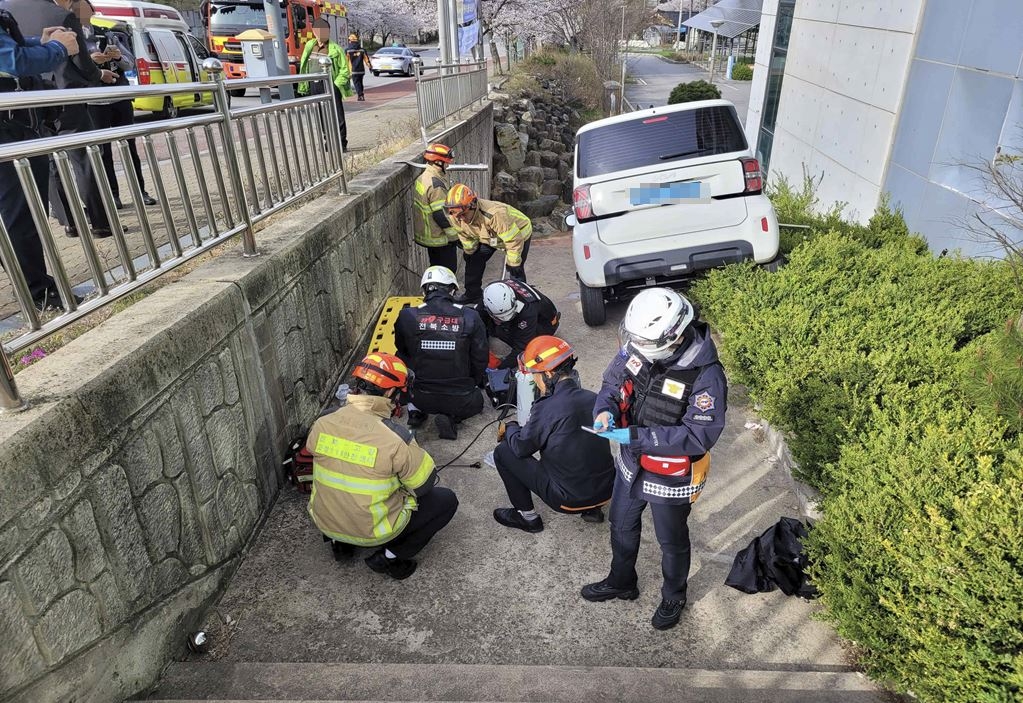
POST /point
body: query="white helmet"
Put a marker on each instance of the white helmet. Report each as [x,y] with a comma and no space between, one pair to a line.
[439,276]
[500,301]
[655,322]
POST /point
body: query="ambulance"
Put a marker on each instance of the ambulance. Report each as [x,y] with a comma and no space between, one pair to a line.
[164,48]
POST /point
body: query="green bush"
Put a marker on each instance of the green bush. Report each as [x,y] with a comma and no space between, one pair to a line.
[995,380]
[742,72]
[575,76]
[696,90]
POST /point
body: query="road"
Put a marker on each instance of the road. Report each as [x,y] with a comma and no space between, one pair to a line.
[654,78]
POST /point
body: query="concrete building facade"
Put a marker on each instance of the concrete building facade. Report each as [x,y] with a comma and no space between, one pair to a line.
[904,97]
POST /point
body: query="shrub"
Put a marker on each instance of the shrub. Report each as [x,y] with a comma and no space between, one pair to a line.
[696,90]
[995,380]
[742,72]
[575,76]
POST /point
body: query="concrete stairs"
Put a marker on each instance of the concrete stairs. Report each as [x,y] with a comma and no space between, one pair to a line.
[361,683]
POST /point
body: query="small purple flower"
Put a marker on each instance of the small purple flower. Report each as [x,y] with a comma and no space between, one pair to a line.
[39,353]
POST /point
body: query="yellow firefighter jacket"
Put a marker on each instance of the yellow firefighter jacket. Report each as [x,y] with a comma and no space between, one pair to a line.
[431,190]
[366,468]
[498,225]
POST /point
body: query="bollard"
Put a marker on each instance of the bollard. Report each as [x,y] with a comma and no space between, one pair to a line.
[10,400]
[216,69]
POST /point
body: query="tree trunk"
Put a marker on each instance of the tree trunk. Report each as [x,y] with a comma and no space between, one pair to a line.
[496,56]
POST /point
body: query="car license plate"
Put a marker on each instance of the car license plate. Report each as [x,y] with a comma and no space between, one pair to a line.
[670,193]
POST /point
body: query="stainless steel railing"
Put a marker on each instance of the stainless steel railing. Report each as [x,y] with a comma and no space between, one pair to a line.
[226,171]
[454,88]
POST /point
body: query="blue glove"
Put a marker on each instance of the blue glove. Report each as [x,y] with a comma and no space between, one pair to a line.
[621,436]
[610,423]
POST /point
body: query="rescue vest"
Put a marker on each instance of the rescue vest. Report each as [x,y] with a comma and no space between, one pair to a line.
[441,353]
[657,398]
[431,190]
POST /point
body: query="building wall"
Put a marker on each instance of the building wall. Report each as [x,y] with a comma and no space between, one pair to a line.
[844,78]
[963,105]
[151,455]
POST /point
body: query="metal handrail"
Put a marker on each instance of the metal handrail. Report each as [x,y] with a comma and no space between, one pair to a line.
[433,102]
[282,135]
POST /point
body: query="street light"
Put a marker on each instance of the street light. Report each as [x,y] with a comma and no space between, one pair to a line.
[714,46]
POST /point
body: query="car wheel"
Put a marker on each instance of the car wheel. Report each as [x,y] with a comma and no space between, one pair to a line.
[594,310]
[170,110]
[775,264]
[376,73]
[237,93]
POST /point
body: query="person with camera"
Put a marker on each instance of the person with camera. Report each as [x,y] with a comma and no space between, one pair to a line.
[22,60]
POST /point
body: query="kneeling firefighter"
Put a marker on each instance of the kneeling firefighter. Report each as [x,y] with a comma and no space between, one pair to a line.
[575,472]
[445,344]
[373,486]
[667,392]
[519,313]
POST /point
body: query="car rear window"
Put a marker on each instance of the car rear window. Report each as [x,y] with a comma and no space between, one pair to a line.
[659,139]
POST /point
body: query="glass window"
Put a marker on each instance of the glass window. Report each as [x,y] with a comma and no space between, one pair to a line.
[661,139]
[776,72]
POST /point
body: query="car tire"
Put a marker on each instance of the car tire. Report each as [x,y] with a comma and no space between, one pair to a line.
[775,264]
[594,309]
[376,74]
[237,93]
[170,110]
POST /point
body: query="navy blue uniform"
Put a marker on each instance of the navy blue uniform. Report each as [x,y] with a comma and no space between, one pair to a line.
[538,316]
[702,402]
[575,469]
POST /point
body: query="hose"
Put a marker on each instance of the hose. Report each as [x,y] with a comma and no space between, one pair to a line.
[476,464]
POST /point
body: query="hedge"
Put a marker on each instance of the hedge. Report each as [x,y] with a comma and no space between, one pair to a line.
[742,72]
[695,90]
[887,369]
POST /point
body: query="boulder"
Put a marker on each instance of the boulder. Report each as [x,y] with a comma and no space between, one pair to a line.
[568,156]
[504,181]
[528,191]
[499,162]
[532,133]
[547,144]
[498,96]
[524,138]
[566,194]
[527,118]
[551,174]
[564,170]
[559,148]
[552,188]
[533,158]
[541,207]
[531,174]
[511,145]
[548,159]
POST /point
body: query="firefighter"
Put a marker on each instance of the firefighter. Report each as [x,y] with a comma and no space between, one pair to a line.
[358,62]
[518,313]
[575,472]
[374,486]
[431,226]
[445,344]
[319,46]
[484,226]
[663,404]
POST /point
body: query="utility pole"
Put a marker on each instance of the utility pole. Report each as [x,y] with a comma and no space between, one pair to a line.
[444,31]
[272,8]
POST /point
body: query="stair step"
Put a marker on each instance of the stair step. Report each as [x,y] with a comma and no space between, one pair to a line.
[252,682]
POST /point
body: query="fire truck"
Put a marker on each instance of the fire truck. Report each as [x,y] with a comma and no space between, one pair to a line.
[225,19]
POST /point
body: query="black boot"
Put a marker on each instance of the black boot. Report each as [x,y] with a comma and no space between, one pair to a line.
[446,427]
[342,550]
[592,515]
[416,418]
[667,614]
[398,569]
[510,517]
[602,590]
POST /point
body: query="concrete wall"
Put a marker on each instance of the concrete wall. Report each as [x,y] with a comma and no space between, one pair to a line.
[844,77]
[129,492]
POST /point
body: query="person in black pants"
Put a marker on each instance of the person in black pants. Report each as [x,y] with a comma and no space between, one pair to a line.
[358,62]
[575,472]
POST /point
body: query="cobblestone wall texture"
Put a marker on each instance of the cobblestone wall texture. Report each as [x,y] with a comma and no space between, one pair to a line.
[129,492]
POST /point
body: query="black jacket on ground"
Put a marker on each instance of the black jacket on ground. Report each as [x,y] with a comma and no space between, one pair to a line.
[537,318]
[577,461]
[36,15]
[444,343]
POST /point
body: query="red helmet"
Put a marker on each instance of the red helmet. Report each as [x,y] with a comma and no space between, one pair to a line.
[460,201]
[545,353]
[440,153]
[385,371]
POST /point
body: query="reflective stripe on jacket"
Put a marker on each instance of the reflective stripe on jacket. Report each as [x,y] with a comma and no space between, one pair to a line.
[498,225]
[366,468]
[431,190]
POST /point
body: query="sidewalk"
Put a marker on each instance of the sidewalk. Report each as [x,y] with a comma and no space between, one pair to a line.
[486,595]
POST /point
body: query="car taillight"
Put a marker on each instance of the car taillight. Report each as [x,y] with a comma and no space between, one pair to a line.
[581,203]
[754,179]
[143,67]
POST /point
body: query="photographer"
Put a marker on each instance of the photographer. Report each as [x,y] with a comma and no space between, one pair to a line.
[22,60]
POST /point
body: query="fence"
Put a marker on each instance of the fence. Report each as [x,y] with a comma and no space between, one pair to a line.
[260,159]
[454,88]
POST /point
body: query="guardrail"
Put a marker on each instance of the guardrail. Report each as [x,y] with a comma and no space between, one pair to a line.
[260,159]
[455,87]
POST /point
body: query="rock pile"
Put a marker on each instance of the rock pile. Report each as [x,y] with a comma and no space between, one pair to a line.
[533,160]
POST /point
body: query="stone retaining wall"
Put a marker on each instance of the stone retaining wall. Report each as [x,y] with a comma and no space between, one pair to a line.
[150,457]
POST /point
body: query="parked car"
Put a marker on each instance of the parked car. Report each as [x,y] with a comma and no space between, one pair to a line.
[661,195]
[393,59]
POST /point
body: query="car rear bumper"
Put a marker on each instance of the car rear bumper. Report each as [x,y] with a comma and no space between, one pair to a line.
[677,262]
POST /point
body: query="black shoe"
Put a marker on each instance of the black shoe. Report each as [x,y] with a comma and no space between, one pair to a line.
[149,199]
[416,418]
[398,569]
[510,517]
[362,98]
[50,301]
[602,591]
[667,614]
[342,550]
[101,233]
[117,203]
[592,515]
[446,427]
[70,231]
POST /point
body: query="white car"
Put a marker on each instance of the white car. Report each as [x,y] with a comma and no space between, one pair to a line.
[394,59]
[663,194]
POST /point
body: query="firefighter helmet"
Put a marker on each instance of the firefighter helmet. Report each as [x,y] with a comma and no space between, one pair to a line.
[384,371]
[655,322]
[439,153]
[500,301]
[438,276]
[545,353]
[460,200]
